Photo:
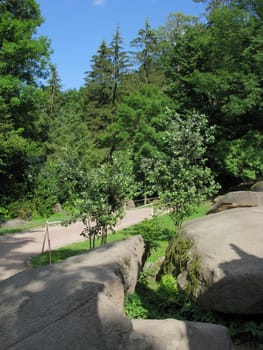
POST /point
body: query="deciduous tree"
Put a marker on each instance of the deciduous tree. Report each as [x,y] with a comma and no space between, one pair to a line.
[23,64]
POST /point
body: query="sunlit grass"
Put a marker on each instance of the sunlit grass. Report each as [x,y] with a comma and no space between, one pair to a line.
[165,222]
[63,253]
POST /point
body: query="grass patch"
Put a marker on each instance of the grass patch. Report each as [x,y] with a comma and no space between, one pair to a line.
[200,211]
[163,299]
[63,253]
[165,223]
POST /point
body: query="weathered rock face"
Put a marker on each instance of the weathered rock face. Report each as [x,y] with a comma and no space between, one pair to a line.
[177,335]
[229,245]
[73,305]
[257,187]
[237,199]
[78,304]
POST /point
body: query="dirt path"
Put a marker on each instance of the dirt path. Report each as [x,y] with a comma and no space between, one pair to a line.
[17,249]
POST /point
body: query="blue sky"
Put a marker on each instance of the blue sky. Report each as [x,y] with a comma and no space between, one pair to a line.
[77,27]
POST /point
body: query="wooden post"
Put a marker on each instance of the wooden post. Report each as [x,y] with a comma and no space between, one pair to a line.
[44,242]
[49,245]
[47,236]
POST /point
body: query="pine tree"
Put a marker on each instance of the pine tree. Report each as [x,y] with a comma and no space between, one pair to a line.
[146,54]
[120,63]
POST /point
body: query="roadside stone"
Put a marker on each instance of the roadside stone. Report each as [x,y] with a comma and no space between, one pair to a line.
[78,304]
[236,199]
[230,273]
[13,223]
[257,187]
[178,335]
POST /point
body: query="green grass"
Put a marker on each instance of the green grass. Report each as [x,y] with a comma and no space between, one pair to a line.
[200,211]
[31,224]
[60,254]
[161,300]
[63,253]
[164,221]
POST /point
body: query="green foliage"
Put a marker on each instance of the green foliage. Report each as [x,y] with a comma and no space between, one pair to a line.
[49,189]
[177,255]
[23,63]
[71,153]
[101,195]
[22,210]
[156,232]
[134,307]
[243,157]
[215,69]
[146,55]
[151,232]
[181,176]
[19,161]
[139,126]
[193,275]
[180,258]
[49,138]
[3,215]
[103,89]
[164,300]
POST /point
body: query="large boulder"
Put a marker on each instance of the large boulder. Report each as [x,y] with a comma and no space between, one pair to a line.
[257,187]
[237,199]
[178,335]
[227,251]
[78,304]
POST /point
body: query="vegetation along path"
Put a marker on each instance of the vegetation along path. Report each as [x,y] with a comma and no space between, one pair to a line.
[17,249]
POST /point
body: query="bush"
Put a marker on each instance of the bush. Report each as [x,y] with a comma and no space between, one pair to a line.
[3,214]
[23,210]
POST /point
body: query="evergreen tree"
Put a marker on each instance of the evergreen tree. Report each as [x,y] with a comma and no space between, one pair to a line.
[139,126]
[97,92]
[70,154]
[120,64]
[54,90]
[103,90]
[147,55]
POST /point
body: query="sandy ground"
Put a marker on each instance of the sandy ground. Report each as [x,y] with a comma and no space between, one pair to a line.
[17,249]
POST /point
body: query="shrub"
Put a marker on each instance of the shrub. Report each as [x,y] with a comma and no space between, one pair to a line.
[23,210]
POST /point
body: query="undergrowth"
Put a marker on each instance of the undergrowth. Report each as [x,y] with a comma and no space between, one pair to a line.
[162,300]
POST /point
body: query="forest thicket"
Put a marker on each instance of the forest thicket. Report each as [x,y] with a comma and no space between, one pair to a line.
[182,107]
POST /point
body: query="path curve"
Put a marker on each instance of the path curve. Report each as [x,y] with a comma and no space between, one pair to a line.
[17,249]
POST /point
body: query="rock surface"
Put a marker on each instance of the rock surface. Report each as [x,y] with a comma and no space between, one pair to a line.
[236,200]
[257,187]
[178,335]
[229,245]
[78,304]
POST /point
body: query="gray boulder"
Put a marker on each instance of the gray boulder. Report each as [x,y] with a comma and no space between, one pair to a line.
[236,199]
[78,304]
[178,335]
[257,187]
[229,248]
